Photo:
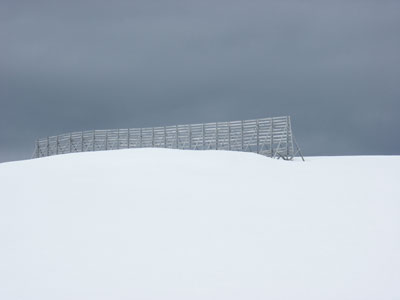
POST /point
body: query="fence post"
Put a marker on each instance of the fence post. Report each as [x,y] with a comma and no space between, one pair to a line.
[291,137]
[190,137]
[70,143]
[287,136]
[165,137]
[82,141]
[216,136]
[129,138]
[272,137]
[37,148]
[258,136]
[229,135]
[152,137]
[106,143]
[177,137]
[94,140]
[203,136]
[118,139]
[48,146]
[57,144]
[242,136]
[140,138]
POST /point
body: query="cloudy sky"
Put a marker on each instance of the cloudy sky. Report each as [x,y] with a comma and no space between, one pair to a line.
[334,66]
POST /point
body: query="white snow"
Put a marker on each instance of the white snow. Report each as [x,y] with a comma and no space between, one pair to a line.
[173,224]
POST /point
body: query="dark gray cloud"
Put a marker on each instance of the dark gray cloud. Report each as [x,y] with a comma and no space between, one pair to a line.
[76,65]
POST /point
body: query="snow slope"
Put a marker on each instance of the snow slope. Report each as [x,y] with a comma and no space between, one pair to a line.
[173,224]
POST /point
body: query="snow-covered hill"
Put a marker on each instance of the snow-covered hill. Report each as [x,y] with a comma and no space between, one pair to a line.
[170,224]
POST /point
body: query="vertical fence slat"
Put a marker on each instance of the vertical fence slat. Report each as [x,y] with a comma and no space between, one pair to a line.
[229,135]
[82,141]
[152,137]
[258,136]
[216,136]
[106,142]
[272,137]
[177,137]
[203,136]
[94,140]
[165,137]
[140,138]
[57,144]
[129,138]
[242,136]
[190,137]
[287,136]
[118,139]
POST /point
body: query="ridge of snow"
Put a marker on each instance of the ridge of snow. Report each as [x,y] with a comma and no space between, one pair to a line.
[180,224]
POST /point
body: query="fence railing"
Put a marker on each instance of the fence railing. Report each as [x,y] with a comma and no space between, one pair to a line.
[269,136]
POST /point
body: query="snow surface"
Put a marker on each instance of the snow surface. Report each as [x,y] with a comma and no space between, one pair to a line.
[173,224]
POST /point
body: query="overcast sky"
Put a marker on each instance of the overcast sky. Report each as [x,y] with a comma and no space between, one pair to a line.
[334,66]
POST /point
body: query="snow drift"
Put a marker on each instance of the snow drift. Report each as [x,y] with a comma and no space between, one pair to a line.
[172,224]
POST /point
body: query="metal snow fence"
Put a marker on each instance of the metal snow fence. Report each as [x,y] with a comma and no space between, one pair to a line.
[271,137]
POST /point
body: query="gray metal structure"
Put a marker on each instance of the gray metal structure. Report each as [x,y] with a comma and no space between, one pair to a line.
[271,137]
